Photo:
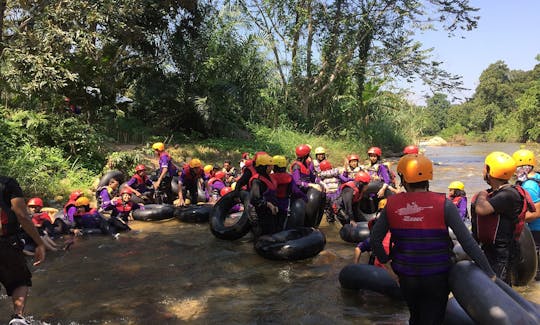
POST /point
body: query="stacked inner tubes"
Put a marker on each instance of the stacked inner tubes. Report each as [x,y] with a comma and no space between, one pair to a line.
[222,210]
[154,212]
[292,244]
[314,208]
[193,213]
[354,234]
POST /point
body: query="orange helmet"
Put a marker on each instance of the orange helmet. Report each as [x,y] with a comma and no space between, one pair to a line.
[363,177]
[159,146]
[75,195]
[82,201]
[225,190]
[35,201]
[325,165]
[415,168]
[302,150]
[375,151]
[140,167]
[195,162]
[501,165]
[410,150]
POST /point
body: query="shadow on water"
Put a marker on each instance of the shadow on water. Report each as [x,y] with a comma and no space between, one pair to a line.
[174,273]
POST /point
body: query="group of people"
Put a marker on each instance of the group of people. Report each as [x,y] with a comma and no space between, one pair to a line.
[408,213]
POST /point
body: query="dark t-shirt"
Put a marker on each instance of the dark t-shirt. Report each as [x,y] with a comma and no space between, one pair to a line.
[508,204]
[9,189]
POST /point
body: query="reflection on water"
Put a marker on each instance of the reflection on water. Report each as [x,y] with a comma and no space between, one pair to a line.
[172,273]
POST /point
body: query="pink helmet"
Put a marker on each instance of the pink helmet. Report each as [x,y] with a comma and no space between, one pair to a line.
[35,201]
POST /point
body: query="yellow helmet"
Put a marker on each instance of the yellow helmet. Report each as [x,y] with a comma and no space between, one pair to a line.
[264,160]
[320,151]
[456,185]
[195,163]
[208,168]
[501,165]
[415,168]
[280,161]
[82,201]
[524,157]
[158,146]
[382,204]
[233,186]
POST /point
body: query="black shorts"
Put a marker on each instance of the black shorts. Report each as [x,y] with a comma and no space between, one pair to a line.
[14,271]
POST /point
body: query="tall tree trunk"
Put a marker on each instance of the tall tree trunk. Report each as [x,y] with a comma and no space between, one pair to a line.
[364,46]
[2,10]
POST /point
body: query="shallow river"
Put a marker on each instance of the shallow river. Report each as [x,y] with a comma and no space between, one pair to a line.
[174,273]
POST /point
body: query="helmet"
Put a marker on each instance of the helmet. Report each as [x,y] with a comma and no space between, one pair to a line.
[382,204]
[264,160]
[501,165]
[353,157]
[362,176]
[257,154]
[208,168]
[320,151]
[82,201]
[125,190]
[219,175]
[140,167]
[375,150]
[225,190]
[193,163]
[75,195]
[415,168]
[410,150]
[325,165]
[159,146]
[35,201]
[245,155]
[302,150]
[524,157]
[280,161]
[456,185]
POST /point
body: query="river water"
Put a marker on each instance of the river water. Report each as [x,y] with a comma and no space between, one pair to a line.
[173,273]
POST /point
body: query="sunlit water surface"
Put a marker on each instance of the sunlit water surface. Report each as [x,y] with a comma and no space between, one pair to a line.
[173,273]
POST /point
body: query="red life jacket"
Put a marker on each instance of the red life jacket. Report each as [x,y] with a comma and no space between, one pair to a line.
[270,184]
[68,205]
[140,180]
[456,200]
[282,181]
[38,218]
[303,169]
[124,207]
[189,176]
[386,246]
[356,191]
[487,226]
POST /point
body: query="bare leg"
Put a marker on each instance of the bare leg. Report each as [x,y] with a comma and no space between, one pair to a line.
[19,299]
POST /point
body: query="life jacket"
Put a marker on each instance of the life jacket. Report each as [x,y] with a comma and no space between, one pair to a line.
[38,218]
[271,187]
[356,191]
[282,181]
[487,229]
[303,169]
[122,207]
[68,205]
[386,246]
[419,233]
[189,175]
[351,173]
[9,225]
[140,180]
[374,169]
[330,180]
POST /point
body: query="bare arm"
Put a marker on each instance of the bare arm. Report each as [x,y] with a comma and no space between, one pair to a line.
[531,216]
[482,205]
[18,206]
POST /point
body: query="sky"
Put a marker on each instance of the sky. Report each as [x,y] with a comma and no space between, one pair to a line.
[507,31]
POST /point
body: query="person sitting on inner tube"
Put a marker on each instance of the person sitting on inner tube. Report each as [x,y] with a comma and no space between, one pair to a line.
[302,170]
[286,189]
[365,245]
[379,171]
[456,193]
[351,168]
[105,195]
[43,223]
[351,194]
[215,185]
[320,156]
[88,218]
[123,210]
[189,179]
[167,169]
[530,181]
[248,170]
[140,184]
[66,223]
[329,179]
[421,255]
[498,214]
[263,197]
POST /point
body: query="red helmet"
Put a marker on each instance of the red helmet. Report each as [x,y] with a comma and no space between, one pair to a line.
[125,190]
[219,175]
[363,177]
[410,150]
[325,165]
[35,201]
[140,167]
[75,195]
[353,157]
[302,150]
[245,155]
[375,150]
[225,190]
